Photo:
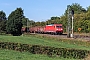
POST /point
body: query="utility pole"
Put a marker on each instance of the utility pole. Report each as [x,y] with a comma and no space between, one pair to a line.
[69,22]
[72,22]
[72,28]
[27,24]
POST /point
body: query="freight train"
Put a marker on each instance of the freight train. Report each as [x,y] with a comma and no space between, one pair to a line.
[50,29]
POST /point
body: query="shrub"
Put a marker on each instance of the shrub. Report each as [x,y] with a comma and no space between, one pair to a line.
[50,51]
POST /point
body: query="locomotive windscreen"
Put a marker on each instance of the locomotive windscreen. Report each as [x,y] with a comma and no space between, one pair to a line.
[58,26]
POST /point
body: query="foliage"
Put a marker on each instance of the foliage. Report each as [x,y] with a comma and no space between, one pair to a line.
[27,23]
[14,22]
[50,51]
[24,21]
[2,21]
[54,18]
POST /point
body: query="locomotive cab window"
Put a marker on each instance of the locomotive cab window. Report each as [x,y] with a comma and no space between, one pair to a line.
[58,26]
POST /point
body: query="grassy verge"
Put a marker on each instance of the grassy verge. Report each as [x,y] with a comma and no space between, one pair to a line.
[45,42]
[14,55]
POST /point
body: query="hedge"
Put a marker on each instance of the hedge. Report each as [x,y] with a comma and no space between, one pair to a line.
[50,51]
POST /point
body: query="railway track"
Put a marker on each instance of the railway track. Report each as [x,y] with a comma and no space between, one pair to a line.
[84,37]
[64,36]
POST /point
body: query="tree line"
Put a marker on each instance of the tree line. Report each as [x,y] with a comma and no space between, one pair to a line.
[16,20]
[81,19]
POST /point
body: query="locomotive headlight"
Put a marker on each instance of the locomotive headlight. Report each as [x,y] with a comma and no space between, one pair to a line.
[57,29]
[61,29]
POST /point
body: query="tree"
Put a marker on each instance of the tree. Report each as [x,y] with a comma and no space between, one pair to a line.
[24,21]
[88,8]
[63,20]
[32,23]
[14,22]
[43,23]
[2,21]
[77,8]
[54,18]
[37,23]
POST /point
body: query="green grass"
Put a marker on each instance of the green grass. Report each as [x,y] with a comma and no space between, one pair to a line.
[42,41]
[14,55]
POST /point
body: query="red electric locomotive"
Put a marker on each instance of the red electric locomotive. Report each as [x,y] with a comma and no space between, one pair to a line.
[54,29]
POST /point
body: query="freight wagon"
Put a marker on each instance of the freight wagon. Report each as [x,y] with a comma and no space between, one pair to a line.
[51,29]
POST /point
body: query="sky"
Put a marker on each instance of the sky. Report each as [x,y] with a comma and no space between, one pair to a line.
[40,10]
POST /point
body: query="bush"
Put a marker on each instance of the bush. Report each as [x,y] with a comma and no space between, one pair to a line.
[50,51]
